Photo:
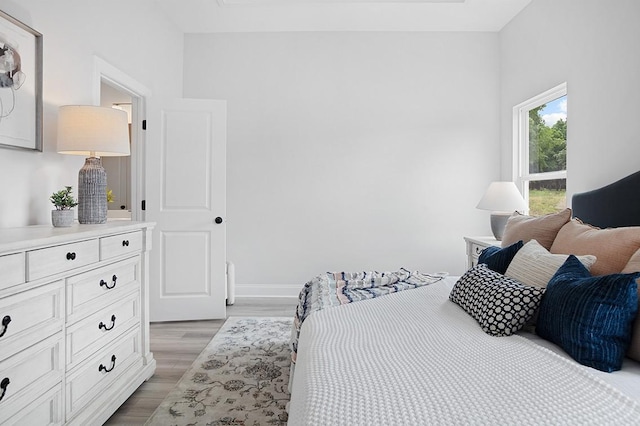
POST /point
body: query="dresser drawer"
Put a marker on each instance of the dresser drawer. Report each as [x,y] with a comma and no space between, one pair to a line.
[97,330]
[53,260]
[94,290]
[29,372]
[29,317]
[120,245]
[95,376]
[13,270]
[45,410]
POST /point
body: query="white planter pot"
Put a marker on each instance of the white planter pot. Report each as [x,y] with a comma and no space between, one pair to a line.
[62,218]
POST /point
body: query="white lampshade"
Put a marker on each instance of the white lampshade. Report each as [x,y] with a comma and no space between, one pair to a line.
[92,131]
[502,197]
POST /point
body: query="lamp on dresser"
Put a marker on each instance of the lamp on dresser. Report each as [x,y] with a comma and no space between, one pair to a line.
[502,199]
[94,132]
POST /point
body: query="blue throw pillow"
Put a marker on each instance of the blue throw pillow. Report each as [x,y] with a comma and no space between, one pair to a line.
[589,317]
[498,259]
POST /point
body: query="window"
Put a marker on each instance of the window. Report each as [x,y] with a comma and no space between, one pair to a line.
[540,150]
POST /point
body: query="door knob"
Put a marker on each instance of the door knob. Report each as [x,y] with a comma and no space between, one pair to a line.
[218,220]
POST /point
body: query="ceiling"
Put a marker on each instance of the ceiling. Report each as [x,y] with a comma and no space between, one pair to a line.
[210,16]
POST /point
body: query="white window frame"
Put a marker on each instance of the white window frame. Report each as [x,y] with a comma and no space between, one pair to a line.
[521,175]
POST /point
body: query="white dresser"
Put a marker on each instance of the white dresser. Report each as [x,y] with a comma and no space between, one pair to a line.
[74,325]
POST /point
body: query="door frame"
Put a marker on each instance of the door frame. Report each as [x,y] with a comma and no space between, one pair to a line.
[104,72]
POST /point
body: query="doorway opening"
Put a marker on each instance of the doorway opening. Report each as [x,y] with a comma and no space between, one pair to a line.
[125,175]
[118,168]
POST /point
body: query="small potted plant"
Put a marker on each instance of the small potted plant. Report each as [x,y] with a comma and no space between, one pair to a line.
[62,216]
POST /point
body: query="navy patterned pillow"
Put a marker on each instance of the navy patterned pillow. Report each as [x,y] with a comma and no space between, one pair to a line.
[501,305]
[498,259]
[589,317]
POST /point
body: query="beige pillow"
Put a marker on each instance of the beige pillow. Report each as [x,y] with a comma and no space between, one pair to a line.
[533,264]
[634,266]
[541,228]
[613,247]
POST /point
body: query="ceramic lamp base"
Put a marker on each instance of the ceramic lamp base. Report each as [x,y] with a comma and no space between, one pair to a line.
[92,192]
[498,223]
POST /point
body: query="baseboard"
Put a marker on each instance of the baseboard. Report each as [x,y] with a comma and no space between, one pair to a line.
[267,290]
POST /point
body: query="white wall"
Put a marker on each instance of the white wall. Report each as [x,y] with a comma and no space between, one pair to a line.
[351,151]
[593,46]
[130,35]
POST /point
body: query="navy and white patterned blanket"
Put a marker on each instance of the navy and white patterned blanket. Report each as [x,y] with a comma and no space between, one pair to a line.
[339,288]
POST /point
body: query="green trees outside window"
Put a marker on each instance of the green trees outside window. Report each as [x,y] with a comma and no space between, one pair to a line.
[547,153]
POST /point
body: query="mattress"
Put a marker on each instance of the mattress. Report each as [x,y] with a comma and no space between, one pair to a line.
[414,357]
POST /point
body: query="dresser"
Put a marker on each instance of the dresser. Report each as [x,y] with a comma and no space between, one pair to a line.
[475,245]
[74,326]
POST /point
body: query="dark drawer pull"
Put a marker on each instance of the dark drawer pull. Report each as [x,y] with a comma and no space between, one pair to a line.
[3,386]
[113,324]
[71,256]
[125,243]
[104,283]
[478,250]
[5,324]
[113,365]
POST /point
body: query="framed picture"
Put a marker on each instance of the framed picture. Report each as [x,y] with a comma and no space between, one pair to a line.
[20,85]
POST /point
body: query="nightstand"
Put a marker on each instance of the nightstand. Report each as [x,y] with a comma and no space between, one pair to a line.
[475,245]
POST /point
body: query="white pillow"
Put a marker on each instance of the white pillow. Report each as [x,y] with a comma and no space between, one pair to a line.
[533,265]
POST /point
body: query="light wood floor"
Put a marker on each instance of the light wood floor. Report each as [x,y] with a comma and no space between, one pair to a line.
[175,345]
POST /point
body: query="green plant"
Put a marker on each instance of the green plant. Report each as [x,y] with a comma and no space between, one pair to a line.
[63,200]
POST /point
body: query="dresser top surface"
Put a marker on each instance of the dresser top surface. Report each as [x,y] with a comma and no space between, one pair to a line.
[13,239]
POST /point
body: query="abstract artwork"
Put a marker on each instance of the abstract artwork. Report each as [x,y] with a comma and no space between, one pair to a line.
[20,85]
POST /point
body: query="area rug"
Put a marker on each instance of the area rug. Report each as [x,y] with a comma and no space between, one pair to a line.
[239,379]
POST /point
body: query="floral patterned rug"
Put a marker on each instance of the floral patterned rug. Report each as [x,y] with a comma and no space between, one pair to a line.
[240,379]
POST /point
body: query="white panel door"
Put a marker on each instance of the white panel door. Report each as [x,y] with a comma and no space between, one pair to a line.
[186,195]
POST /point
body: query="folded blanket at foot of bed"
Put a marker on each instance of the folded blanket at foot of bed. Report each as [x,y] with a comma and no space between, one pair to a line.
[339,288]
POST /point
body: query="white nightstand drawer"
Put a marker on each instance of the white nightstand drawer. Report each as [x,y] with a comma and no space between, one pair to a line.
[476,249]
[475,246]
[119,245]
[13,270]
[97,330]
[96,375]
[39,367]
[94,290]
[53,260]
[30,317]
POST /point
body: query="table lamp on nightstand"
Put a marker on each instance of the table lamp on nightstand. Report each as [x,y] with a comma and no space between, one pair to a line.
[502,198]
[94,132]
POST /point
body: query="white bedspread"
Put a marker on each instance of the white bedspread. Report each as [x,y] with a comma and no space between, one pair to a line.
[414,358]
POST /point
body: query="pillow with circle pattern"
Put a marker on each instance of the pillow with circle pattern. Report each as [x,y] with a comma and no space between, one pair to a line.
[501,305]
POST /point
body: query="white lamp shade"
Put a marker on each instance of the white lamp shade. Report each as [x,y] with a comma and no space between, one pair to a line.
[92,130]
[502,197]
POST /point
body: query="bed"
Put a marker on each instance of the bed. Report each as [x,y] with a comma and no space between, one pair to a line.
[434,352]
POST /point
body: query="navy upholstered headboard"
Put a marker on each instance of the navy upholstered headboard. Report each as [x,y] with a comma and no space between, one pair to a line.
[612,206]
